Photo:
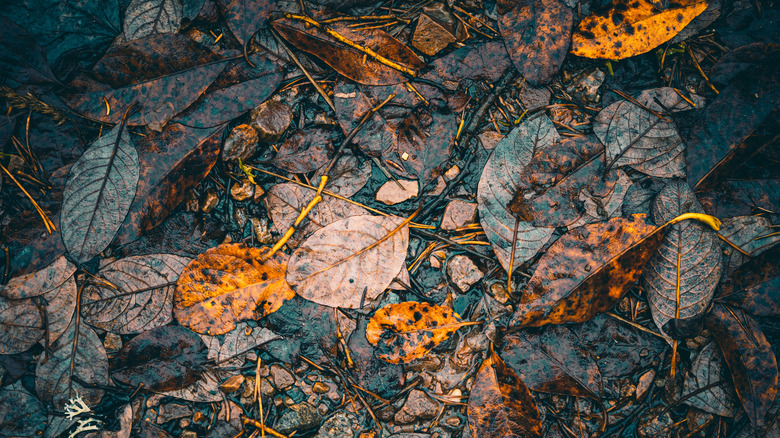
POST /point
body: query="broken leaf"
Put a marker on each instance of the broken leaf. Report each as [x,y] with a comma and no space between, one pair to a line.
[500,404]
[21,413]
[60,305]
[142,299]
[349,261]
[422,144]
[407,331]
[21,58]
[348,175]
[162,359]
[752,234]
[587,271]
[228,284]
[236,342]
[146,17]
[97,196]
[625,28]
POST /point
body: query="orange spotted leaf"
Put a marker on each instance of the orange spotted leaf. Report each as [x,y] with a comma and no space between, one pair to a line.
[500,404]
[228,284]
[587,271]
[407,331]
[625,28]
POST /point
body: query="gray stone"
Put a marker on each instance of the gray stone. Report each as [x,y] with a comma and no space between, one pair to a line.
[458,213]
[241,143]
[270,119]
[462,272]
[301,417]
[418,407]
[340,425]
[282,377]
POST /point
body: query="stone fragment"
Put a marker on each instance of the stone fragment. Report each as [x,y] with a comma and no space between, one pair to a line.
[208,200]
[391,194]
[262,230]
[282,377]
[458,213]
[462,272]
[437,27]
[340,425]
[112,342]
[232,384]
[320,388]
[644,384]
[300,417]
[418,407]
[270,119]
[172,411]
[490,139]
[241,191]
[241,143]
[584,86]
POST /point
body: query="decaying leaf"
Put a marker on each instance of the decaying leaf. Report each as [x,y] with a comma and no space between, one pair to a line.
[236,342]
[425,138]
[680,278]
[625,28]
[754,286]
[162,359]
[307,149]
[347,176]
[349,261]
[146,17]
[407,331]
[749,356]
[245,17]
[21,413]
[21,325]
[228,284]
[709,368]
[752,234]
[587,271]
[60,305]
[97,196]
[143,297]
[500,404]
[40,282]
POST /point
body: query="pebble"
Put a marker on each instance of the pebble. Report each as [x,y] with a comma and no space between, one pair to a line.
[270,119]
[282,377]
[300,417]
[418,407]
[172,411]
[458,213]
[241,191]
[232,384]
[320,388]
[584,86]
[208,200]
[644,384]
[462,271]
[339,425]
[391,194]
[112,342]
[241,143]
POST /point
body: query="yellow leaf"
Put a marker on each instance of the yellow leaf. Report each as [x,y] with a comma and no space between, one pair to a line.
[626,28]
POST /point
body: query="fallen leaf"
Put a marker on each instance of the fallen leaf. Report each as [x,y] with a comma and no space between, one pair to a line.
[709,368]
[142,299]
[625,28]
[500,404]
[16,422]
[352,103]
[488,61]
[204,390]
[754,285]
[228,284]
[750,359]
[348,176]
[236,342]
[97,196]
[349,261]
[147,17]
[245,17]
[553,360]
[681,277]
[587,271]
[162,359]
[21,325]
[536,35]
[370,372]
[422,144]
[60,306]
[308,149]
[21,58]
[40,282]
[752,234]
[407,331]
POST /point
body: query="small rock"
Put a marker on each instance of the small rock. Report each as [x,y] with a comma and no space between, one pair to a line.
[241,191]
[451,173]
[458,213]
[301,417]
[440,186]
[189,434]
[112,342]
[320,388]
[232,384]
[339,425]
[462,271]
[418,407]
[436,259]
[241,143]
[208,200]
[644,384]
[262,230]
[282,377]
[239,216]
[270,119]
[391,194]
[653,425]
[499,292]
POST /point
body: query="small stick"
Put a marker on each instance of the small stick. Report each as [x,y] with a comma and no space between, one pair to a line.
[262,427]
[305,72]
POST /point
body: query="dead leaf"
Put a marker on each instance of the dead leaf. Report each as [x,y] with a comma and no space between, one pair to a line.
[422,144]
[407,331]
[60,305]
[348,176]
[21,325]
[625,28]
[30,420]
[752,234]
[750,358]
[587,271]
[754,286]
[236,342]
[349,261]
[245,17]
[307,150]
[707,369]
[228,284]
[40,282]
[500,404]
[146,17]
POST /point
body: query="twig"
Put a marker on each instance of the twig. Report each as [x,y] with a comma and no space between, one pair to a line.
[305,72]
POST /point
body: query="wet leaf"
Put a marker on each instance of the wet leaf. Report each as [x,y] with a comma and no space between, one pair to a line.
[625,28]
[500,404]
[709,368]
[348,176]
[347,60]
[162,359]
[149,71]
[352,103]
[98,193]
[701,22]
[40,282]
[245,17]
[750,359]
[347,262]
[205,389]
[16,422]
[147,17]
[426,139]
[21,58]
[752,234]
[314,339]
[500,182]
[370,372]
[587,271]
[407,331]
[228,284]
[488,61]
[687,264]
[754,286]
[90,364]
[60,305]
[553,360]
[308,149]
[236,342]
[143,298]
[536,35]
[21,325]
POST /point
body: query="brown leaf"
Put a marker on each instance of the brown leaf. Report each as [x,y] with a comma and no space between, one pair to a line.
[750,359]
[587,271]
[754,286]
[500,405]
[407,331]
[307,149]
[536,35]
[228,284]
[40,282]
[21,325]
[752,234]
[347,60]
[245,17]
[707,369]
[625,28]
[348,261]
[426,139]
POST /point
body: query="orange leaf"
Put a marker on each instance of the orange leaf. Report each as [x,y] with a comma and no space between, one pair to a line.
[626,28]
[228,284]
[407,331]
